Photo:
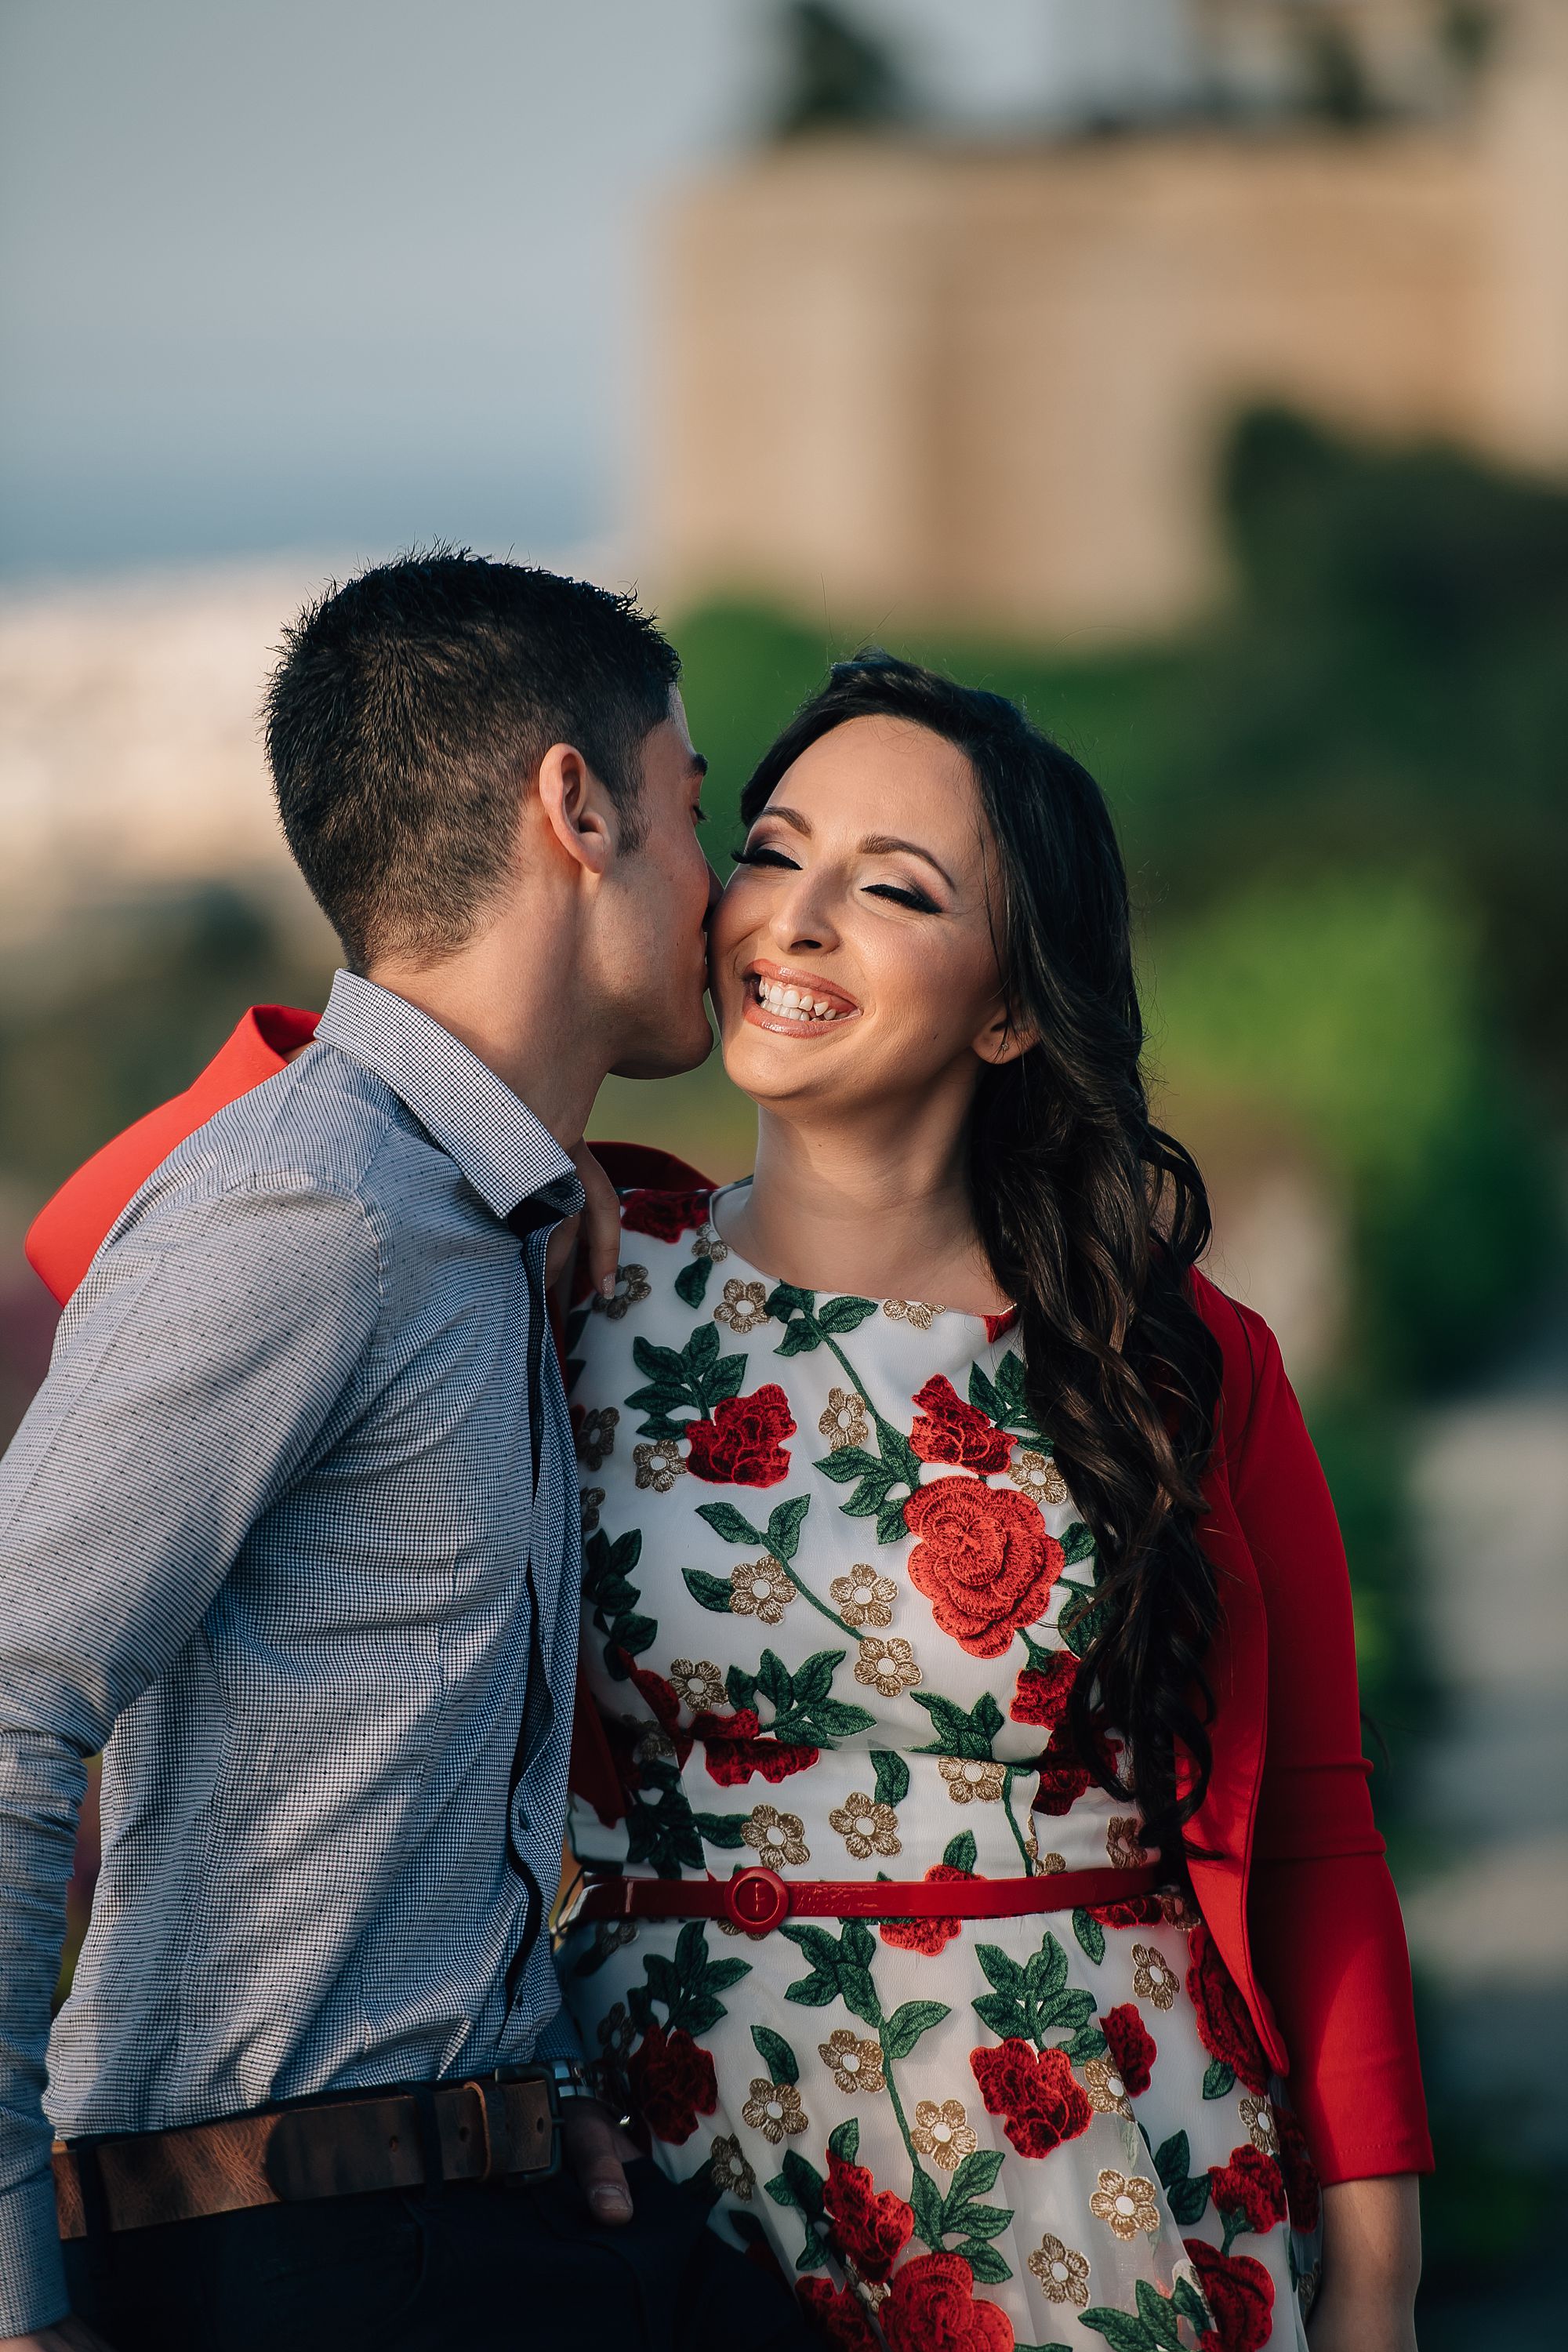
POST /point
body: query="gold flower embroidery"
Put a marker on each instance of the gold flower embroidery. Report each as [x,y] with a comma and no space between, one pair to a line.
[699,1682]
[709,1245]
[1048,1862]
[856,2065]
[1037,1475]
[888,1667]
[1123,1845]
[616,2032]
[1107,2090]
[1259,2118]
[1152,1978]
[596,1437]
[845,1423]
[943,2133]
[1063,2275]
[911,1310]
[774,2109]
[866,1828]
[728,2170]
[864,1598]
[659,1466]
[969,1782]
[1125,2204]
[776,1837]
[760,1587]
[631,1289]
[743,1305]
[589,1504]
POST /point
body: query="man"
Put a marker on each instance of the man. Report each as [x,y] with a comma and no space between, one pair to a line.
[292,1528]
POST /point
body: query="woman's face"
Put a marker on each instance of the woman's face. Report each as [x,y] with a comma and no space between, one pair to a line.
[852,953]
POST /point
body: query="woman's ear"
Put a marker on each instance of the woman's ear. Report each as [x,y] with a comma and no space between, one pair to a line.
[576,808]
[1004,1037]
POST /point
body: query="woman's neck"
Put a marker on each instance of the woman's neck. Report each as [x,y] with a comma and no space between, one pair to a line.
[881,1207]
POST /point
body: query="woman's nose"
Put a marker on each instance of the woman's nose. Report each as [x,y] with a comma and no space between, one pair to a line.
[802,919]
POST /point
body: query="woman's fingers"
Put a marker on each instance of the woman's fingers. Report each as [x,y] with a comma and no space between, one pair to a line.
[593,2148]
[600,1234]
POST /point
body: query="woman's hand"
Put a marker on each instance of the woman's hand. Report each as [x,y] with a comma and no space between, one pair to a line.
[1371,2267]
[596,1232]
[67,2334]
[598,2152]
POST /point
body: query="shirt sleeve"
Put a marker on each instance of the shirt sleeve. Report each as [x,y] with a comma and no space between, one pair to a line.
[1324,1916]
[211,1347]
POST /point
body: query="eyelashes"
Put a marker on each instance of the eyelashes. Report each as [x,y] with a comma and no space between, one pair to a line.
[903,896]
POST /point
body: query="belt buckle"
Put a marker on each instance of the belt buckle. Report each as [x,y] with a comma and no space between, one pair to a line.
[756,1899]
[529,2073]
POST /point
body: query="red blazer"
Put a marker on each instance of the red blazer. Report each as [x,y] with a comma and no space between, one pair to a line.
[1295,1890]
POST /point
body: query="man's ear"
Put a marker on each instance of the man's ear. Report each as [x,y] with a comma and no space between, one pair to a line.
[578,809]
[1004,1037]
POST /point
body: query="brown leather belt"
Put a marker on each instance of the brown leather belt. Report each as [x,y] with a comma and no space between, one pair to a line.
[487,2130]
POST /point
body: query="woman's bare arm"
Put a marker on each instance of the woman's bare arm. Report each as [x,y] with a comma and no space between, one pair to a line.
[1371,2267]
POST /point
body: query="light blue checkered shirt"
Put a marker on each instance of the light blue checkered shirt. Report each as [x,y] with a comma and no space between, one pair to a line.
[270,1531]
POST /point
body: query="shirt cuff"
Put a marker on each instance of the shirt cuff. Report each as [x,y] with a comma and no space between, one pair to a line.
[559,2038]
[32,2269]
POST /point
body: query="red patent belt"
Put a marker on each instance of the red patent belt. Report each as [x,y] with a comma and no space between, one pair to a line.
[757,1899]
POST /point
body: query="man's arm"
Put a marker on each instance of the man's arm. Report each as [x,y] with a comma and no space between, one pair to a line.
[195,1370]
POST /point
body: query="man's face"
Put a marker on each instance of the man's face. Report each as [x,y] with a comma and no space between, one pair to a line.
[657,942]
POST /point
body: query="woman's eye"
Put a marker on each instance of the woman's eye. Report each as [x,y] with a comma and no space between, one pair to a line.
[763,856]
[905,898]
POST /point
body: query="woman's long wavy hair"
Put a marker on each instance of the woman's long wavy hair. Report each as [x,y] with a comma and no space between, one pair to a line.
[1091,1218]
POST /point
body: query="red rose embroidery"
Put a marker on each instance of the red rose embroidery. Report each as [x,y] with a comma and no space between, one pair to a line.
[733,1749]
[1250,2188]
[870,2228]
[837,2311]
[953,1431]
[665,1215]
[1140,1911]
[1225,2025]
[1043,1691]
[983,1561]
[1035,2092]
[1301,2174]
[934,2308]
[927,1936]
[1132,2046]
[673,2082]
[1239,2294]
[740,1446]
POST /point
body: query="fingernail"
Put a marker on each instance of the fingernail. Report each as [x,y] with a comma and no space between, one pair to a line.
[607,1286]
[611,2201]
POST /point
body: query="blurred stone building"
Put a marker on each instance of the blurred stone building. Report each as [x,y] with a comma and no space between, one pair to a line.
[910,378]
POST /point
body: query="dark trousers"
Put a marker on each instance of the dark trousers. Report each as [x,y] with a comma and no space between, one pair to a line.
[407,2272]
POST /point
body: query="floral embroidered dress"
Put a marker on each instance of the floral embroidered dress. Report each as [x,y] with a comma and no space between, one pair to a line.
[828,1560]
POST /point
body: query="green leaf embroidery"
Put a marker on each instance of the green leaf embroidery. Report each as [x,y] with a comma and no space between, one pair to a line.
[782,1536]
[971,2220]
[814,1992]
[1122,2332]
[1090,1935]
[958,1734]
[988,2264]
[1188,2199]
[892,1784]
[1077,1544]
[844,2140]
[1172,2159]
[1087,2043]
[728,1524]
[708,1592]
[975,2175]
[907,2022]
[849,1463]
[1219,2081]
[926,2199]
[726,1830]
[1004,2016]
[692,1282]
[775,2054]
[841,1315]
[1158,2316]
[799,1339]
[959,1853]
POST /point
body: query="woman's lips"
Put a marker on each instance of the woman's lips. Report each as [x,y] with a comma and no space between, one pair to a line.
[794,1004]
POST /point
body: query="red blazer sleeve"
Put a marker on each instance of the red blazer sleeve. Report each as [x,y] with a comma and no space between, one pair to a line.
[1326,1929]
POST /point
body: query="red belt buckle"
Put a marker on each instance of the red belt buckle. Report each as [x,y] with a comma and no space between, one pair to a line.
[756,1899]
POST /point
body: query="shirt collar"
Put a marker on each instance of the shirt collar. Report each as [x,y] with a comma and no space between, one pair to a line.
[505,1153]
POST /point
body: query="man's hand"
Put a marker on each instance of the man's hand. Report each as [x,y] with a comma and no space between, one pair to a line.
[596,1232]
[597,2151]
[67,2334]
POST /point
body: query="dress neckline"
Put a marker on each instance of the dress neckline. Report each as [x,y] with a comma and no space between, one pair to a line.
[995,1325]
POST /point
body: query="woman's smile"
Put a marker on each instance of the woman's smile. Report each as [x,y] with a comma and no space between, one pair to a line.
[793,1002]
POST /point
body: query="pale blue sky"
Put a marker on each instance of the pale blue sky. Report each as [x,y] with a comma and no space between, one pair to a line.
[338,274]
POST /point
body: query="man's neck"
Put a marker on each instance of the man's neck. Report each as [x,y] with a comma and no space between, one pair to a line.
[529,1025]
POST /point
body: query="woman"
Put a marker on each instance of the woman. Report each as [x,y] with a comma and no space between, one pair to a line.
[959,1573]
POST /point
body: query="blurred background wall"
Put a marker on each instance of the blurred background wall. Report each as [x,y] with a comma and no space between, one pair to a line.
[1195,371]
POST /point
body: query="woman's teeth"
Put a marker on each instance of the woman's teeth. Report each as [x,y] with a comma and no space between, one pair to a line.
[794,1004]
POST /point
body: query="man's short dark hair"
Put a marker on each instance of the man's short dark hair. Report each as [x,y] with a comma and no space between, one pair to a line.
[410,712]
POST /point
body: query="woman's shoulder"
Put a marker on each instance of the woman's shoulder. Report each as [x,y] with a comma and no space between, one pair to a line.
[1249,1353]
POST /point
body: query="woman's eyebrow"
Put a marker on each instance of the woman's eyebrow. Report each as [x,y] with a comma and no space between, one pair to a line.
[879,844]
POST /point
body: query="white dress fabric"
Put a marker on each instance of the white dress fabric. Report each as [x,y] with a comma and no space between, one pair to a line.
[831,1576]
